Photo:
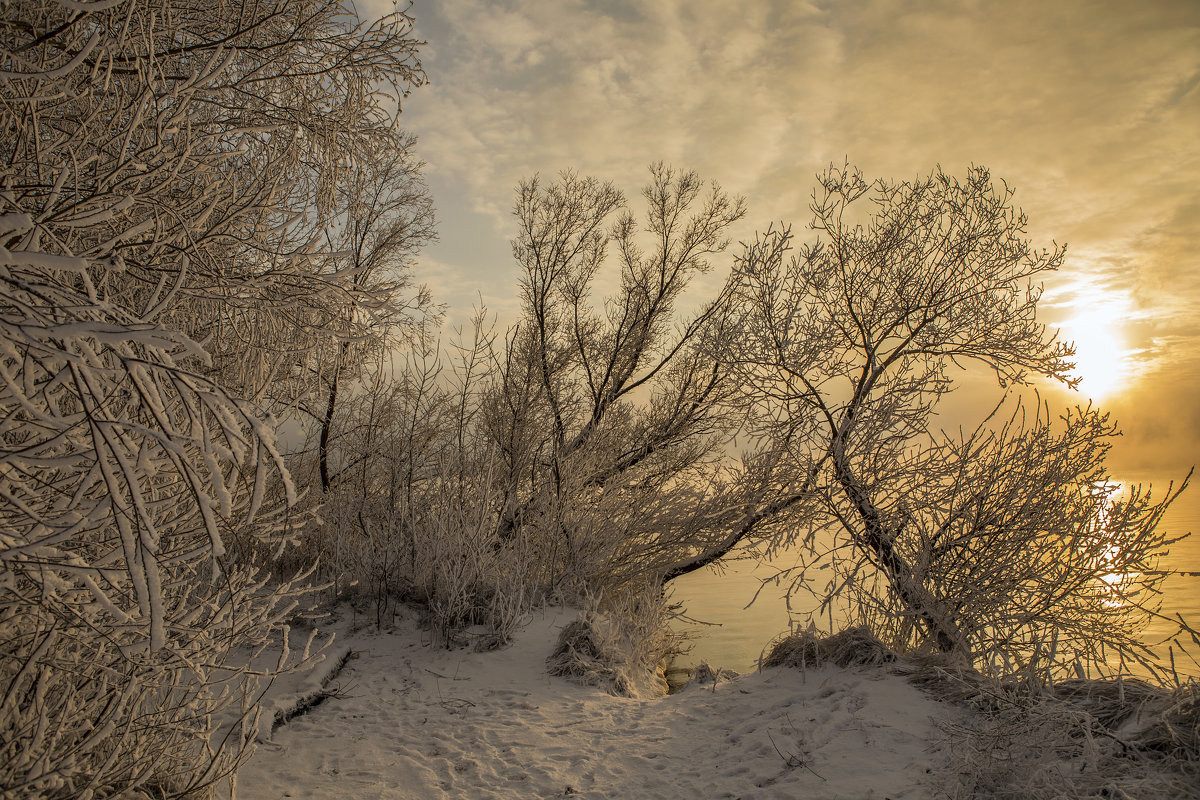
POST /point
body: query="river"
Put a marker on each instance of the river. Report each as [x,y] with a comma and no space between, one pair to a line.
[736,635]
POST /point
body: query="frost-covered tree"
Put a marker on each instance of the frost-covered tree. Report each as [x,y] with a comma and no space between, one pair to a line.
[382,216]
[167,171]
[996,544]
[1043,562]
[605,410]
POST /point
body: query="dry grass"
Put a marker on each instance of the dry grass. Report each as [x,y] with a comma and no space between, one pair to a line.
[1122,738]
[1115,738]
[621,646]
[850,648]
[1050,748]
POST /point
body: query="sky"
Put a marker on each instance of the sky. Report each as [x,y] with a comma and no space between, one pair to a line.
[1090,110]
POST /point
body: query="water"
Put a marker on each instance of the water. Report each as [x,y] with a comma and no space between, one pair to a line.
[1181,592]
[738,634]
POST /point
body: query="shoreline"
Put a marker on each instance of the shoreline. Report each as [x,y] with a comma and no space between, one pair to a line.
[407,720]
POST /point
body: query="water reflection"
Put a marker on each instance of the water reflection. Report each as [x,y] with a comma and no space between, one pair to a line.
[1117,584]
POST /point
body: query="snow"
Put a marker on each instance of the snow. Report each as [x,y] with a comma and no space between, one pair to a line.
[409,720]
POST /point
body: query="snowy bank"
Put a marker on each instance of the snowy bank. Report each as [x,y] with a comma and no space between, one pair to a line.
[407,720]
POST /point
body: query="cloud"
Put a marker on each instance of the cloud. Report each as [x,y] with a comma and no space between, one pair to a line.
[612,91]
[1088,108]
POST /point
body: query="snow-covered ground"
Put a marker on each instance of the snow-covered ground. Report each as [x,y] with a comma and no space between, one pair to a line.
[414,721]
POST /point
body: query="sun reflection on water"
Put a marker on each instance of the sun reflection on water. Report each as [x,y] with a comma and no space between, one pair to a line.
[1117,583]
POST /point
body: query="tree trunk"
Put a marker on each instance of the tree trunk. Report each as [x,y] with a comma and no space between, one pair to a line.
[938,622]
[326,426]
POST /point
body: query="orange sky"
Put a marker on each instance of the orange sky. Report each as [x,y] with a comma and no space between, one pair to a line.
[1091,110]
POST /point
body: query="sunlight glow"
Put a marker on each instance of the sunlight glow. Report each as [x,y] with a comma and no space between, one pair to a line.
[1099,354]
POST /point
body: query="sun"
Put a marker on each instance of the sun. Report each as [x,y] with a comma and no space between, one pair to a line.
[1099,355]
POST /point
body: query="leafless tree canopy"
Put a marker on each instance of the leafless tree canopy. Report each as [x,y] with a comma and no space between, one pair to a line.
[599,398]
[585,452]
[994,545]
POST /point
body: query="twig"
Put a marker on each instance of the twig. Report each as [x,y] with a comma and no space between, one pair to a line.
[794,760]
[311,701]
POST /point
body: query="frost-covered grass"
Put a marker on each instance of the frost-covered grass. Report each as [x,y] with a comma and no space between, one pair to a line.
[1081,738]
[623,651]
[1076,739]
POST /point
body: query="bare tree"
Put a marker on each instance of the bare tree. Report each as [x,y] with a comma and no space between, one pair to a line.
[1043,561]
[414,513]
[988,544]
[383,216]
[618,399]
[166,168]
